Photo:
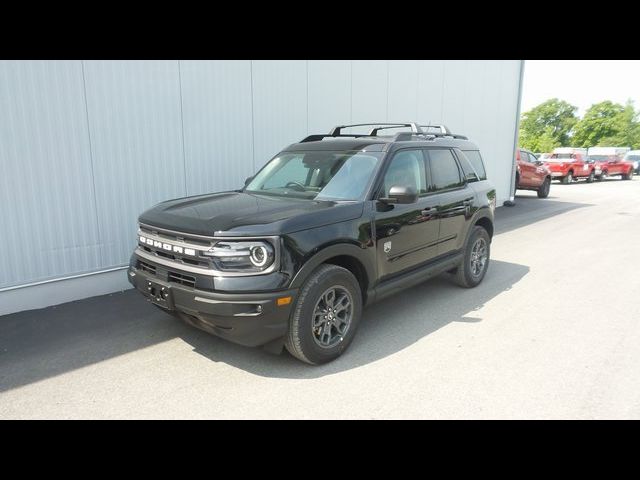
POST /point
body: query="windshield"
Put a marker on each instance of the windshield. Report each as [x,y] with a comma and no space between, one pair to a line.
[559,157]
[599,158]
[317,175]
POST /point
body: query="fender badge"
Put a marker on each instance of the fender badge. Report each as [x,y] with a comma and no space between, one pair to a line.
[387,247]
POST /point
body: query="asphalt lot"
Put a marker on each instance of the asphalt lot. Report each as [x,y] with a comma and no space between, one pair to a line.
[552,332]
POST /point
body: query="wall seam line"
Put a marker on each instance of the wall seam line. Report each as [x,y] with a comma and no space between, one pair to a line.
[253,139]
[184,154]
[91,162]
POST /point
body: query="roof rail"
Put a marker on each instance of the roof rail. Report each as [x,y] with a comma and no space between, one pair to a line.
[443,128]
[444,132]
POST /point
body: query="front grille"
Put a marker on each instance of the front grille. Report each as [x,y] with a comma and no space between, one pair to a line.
[181,237]
[146,267]
[176,240]
[182,279]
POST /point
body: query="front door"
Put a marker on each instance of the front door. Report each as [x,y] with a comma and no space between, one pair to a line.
[406,234]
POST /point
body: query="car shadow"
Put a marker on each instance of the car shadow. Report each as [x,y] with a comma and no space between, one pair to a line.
[387,327]
[40,344]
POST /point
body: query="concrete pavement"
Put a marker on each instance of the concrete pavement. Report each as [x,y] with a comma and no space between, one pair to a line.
[552,332]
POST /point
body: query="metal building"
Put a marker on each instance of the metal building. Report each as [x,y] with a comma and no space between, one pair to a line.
[85,146]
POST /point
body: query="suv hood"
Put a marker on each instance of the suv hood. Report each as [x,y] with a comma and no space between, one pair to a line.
[242,214]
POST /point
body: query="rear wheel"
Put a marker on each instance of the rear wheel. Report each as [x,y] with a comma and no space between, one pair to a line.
[543,191]
[591,177]
[476,259]
[326,316]
[602,176]
[628,175]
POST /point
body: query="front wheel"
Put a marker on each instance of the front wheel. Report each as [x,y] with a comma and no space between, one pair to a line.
[543,191]
[476,259]
[326,316]
[568,178]
[628,175]
[602,176]
[591,177]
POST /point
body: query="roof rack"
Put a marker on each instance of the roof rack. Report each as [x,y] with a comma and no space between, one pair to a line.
[416,129]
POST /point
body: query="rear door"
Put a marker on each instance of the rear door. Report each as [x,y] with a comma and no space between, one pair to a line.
[406,235]
[452,195]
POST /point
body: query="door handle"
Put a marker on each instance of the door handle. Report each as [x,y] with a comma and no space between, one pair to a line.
[429,211]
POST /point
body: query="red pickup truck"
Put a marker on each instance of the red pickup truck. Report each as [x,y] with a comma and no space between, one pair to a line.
[567,164]
[531,174]
[610,165]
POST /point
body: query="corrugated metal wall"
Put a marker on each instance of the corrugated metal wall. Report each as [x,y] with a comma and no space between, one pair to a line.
[86,146]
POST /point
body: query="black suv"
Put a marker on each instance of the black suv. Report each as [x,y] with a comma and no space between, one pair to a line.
[329,225]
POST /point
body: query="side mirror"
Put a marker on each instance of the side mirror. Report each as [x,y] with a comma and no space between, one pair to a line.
[401,194]
[248,180]
[471,177]
[539,162]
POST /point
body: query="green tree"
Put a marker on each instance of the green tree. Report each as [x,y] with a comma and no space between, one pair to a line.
[547,125]
[608,124]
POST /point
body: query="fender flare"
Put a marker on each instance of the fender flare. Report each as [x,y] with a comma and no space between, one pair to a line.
[331,251]
[482,213]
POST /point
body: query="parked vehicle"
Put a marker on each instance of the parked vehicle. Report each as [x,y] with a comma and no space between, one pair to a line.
[331,224]
[633,156]
[532,174]
[568,164]
[608,162]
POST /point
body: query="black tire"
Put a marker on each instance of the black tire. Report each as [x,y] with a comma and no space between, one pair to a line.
[568,179]
[464,275]
[301,340]
[628,175]
[515,187]
[602,176]
[591,177]
[543,191]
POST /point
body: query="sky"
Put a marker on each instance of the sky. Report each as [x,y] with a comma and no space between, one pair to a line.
[580,82]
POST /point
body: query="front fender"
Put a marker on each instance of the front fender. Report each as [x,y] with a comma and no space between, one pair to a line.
[362,255]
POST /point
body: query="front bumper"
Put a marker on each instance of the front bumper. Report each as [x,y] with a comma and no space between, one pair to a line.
[249,319]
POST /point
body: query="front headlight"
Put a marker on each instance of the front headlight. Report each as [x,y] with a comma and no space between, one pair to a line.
[242,256]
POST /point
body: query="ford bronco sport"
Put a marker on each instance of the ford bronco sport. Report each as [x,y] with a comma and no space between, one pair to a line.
[329,225]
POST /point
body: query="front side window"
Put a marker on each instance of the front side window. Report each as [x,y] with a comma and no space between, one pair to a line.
[445,173]
[407,169]
[317,175]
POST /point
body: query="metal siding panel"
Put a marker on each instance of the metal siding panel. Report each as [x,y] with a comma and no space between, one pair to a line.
[430,90]
[455,73]
[370,87]
[46,184]
[279,106]
[136,135]
[329,94]
[403,91]
[216,100]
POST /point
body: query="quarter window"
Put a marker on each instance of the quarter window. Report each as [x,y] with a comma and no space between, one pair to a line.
[476,160]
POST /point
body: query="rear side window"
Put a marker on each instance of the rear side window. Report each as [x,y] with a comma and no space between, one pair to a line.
[476,160]
[445,173]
